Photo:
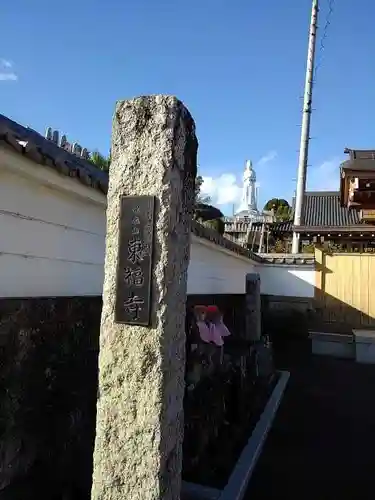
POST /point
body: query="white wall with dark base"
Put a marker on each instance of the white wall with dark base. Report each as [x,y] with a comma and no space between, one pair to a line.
[216,270]
[52,237]
[287,280]
[53,242]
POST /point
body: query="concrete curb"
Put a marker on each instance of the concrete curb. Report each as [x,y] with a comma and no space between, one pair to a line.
[192,491]
[240,477]
[244,468]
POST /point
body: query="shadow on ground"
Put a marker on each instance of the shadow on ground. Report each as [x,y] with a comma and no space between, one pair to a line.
[322,444]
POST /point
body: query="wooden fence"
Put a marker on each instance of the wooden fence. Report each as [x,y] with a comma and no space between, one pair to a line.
[345,290]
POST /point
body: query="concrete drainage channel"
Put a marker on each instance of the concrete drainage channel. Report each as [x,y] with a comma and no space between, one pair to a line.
[244,468]
[358,345]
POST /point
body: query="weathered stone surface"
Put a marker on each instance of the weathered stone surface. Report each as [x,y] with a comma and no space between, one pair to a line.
[253,307]
[141,370]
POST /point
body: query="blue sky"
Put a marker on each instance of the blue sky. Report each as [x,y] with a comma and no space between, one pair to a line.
[238,66]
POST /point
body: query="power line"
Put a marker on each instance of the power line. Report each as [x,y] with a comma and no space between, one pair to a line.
[53,259]
[20,216]
[327,24]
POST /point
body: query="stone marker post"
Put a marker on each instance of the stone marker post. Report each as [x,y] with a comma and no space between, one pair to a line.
[253,307]
[263,349]
[139,427]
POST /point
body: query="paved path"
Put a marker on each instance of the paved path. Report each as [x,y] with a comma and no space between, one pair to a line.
[322,445]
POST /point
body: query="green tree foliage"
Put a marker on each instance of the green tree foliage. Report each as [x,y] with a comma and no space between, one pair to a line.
[283,214]
[308,248]
[100,161]
[199,198]
[216,224]
[206,213]
[275,203]
[280,207]
[280,246]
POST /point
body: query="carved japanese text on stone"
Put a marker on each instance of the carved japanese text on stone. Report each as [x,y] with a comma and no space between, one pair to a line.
[134,272]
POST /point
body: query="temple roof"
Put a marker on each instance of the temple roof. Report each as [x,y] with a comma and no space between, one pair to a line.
[322,211]
[360,154]
[37,148]
[323,208]
[360,165]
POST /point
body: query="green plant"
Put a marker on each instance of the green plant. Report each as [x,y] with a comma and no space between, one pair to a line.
[216,224]
[280,246]
[199,198]
[309,248]
[100,161]
[281,208]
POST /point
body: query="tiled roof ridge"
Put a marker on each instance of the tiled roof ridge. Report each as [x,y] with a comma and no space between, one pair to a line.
[288,259]
[322,193]
[324,209]
[34,146]
[360,154]
[211,235]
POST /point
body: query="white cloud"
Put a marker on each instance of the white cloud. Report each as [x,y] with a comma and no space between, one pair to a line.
[267,158]
[8,77]
[6,64]
[226,189]
[325,177]
[222,190]
[6,73]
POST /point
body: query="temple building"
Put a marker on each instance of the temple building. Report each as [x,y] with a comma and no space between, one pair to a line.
[239,226]
[342,220]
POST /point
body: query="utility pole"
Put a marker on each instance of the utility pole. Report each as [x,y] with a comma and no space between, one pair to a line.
[305,130]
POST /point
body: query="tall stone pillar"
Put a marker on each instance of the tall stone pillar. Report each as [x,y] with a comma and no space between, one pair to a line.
[263,348]
[253,307]
[139,427]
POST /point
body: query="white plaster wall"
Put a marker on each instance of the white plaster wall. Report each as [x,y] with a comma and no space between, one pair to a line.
[51,240]
[287,280]
[214,270]
[52,243]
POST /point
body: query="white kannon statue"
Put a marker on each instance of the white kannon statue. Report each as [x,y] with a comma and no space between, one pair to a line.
[249,201]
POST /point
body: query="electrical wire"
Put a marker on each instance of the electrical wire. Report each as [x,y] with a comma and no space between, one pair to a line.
[327,24]
[18,215]
[53,259]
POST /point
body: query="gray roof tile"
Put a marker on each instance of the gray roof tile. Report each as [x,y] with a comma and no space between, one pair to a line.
[33,145]
[322,208]
[361,165]
[288,259]
[211,235]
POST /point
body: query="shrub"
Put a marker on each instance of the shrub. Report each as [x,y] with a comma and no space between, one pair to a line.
[216,224]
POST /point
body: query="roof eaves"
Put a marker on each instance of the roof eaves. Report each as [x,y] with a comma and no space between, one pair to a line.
[213,236]
[37,148]
[360,228]
[289,259]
